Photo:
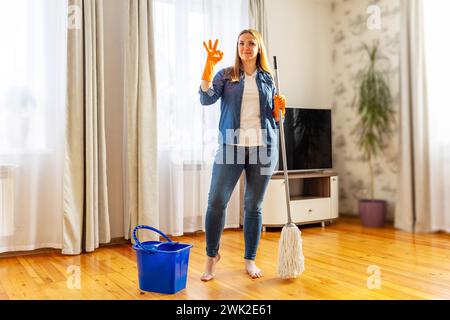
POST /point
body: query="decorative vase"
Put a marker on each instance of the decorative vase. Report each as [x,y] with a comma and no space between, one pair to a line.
[372,212]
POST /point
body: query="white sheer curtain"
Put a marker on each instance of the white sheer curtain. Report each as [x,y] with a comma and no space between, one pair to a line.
[187,131]
[437,47]
[32,98]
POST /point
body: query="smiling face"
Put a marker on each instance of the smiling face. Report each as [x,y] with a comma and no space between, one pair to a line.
[248,47]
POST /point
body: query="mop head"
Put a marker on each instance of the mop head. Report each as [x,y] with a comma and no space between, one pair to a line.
[290,253]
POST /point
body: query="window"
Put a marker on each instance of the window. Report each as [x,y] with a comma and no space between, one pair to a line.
[180,28]
[28,60]
[437,47]
[32,103]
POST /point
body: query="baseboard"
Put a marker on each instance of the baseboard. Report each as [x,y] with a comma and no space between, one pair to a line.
[113,242]
[28,253]
[389,221]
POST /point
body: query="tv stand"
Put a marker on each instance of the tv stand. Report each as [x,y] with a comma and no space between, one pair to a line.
[313,199]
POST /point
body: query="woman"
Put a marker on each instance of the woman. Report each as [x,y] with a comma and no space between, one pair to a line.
[247,141]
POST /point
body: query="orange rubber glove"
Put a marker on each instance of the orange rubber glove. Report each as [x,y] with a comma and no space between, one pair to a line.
[279,102]
[214,56]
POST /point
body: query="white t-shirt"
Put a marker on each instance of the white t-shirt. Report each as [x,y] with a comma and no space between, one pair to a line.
[250,128]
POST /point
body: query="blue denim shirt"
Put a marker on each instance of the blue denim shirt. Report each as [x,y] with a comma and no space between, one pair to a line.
[230,107]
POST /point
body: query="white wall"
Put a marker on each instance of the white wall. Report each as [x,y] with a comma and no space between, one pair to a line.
[300,37]
[114,32]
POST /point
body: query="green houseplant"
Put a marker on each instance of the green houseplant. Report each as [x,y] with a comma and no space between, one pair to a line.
[376,116]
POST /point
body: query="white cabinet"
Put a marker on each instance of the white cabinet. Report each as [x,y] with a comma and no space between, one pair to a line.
[313,198]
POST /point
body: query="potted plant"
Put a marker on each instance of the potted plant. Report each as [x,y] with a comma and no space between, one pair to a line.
[374,129]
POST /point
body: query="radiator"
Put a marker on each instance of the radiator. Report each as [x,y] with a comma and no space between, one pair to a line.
[7,173]
[197,179]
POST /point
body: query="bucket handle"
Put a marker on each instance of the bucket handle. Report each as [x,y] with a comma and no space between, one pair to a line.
[139,244]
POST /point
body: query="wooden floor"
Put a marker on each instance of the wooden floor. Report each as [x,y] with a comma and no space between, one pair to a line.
[337,262]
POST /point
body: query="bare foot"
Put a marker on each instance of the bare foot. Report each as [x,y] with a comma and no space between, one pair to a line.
[209,268]
[253,271]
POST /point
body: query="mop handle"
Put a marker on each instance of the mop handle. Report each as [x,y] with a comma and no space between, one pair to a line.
[283,146]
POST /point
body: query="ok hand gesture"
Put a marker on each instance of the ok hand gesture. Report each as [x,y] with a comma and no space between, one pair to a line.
[214,57]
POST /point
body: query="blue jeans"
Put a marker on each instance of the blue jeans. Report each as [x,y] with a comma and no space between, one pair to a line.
[259,164]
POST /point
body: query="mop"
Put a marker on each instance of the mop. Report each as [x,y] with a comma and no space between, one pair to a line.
[290,252]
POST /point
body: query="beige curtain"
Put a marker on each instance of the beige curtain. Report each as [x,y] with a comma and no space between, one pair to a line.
[141,176]
[86,217]
[257,11]
[413,197]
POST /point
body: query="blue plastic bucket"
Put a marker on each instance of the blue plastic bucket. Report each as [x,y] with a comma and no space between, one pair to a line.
[162,266]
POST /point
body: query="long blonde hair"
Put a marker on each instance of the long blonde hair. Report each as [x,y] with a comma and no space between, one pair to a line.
[261,60]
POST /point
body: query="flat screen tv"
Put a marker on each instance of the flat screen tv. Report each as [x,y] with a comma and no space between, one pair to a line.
[308,140]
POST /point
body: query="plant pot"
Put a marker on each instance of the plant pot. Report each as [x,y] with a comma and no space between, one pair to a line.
[372,212]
